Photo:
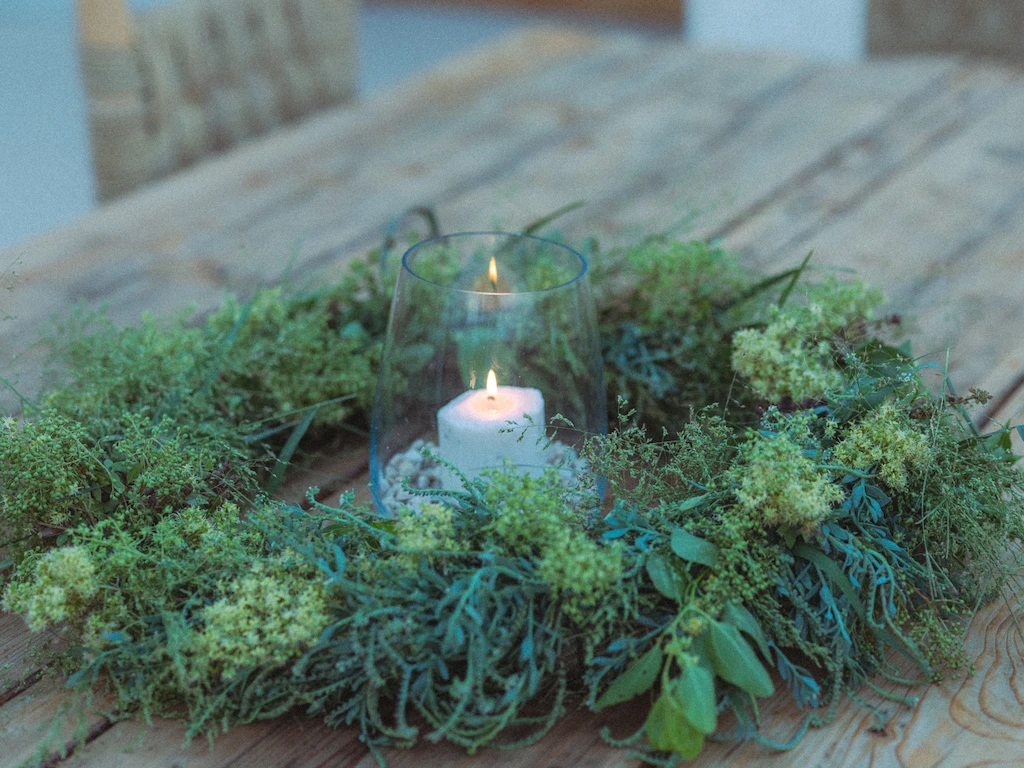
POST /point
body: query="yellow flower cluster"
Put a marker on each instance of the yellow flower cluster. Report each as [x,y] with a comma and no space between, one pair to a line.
[54,588]
[575,565]
[780,362]
[793,356]
[534,519]
[428,530]
[885,439]
[268,617]
[781,485]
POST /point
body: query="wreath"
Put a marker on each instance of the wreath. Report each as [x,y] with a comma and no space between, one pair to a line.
[785,492]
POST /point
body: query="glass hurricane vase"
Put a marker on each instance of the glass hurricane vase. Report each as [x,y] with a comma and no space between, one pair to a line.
[491,361]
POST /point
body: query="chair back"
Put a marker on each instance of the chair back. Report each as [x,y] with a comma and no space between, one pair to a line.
[175,82]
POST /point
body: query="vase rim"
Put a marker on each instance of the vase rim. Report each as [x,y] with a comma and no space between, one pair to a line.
[584,266]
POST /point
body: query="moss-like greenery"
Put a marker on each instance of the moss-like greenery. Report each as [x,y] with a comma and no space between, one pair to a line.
[782,491]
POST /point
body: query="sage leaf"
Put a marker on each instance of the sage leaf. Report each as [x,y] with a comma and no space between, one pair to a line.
[694,691]
[735,661]
[668,730]
[637,679]
[691,503]
[744,621]
[662,577]
[693,548]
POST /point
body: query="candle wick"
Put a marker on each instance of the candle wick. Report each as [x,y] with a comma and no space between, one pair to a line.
[491,398]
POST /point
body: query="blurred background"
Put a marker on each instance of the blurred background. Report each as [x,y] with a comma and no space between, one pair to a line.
[45,172]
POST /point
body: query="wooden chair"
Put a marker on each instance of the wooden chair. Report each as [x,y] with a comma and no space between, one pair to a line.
[173,83]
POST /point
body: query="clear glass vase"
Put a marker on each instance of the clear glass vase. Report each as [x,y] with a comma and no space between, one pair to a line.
[492,360]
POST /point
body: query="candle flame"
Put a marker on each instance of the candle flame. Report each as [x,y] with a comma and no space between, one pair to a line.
[492,273]
[492,384]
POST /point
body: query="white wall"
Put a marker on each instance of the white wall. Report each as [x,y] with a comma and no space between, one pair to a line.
[833,29]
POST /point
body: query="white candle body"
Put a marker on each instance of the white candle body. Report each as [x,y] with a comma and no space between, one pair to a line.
[470,437]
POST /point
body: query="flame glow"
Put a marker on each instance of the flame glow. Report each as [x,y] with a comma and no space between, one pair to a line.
[492,384]
[492,272]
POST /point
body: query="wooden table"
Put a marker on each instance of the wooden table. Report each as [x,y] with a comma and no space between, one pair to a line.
[911,172]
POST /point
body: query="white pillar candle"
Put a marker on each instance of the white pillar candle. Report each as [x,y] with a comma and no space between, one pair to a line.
[470,436]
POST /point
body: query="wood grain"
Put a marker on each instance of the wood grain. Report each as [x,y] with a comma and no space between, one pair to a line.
[43,723]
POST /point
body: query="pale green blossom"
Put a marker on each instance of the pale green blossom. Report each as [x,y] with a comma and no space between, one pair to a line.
[268,617]
[783,487]
[427,530]
[55,587]
[887,440]
[794,355]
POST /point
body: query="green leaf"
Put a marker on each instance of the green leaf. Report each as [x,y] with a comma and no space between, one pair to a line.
[744,621]
[134,472]
[535,226]
[639,678]
[289,448]
[663,577]
[693,548]
[796,277]
[735,661]
[694,690]
[834,574]
[793,275]
[691,503]
[668,730]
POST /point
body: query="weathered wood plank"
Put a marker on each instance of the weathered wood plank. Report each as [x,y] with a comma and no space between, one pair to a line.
[42,722]
[23,655]
[748,166]
[778,228]
[15,651]
[990,309]
[575,742]
[285,741]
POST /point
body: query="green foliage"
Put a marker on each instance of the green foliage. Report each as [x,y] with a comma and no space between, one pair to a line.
[242,372]
[785,489]
[667,315]
[55,475]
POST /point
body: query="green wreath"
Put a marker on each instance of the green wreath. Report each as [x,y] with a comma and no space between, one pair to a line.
[787,494]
